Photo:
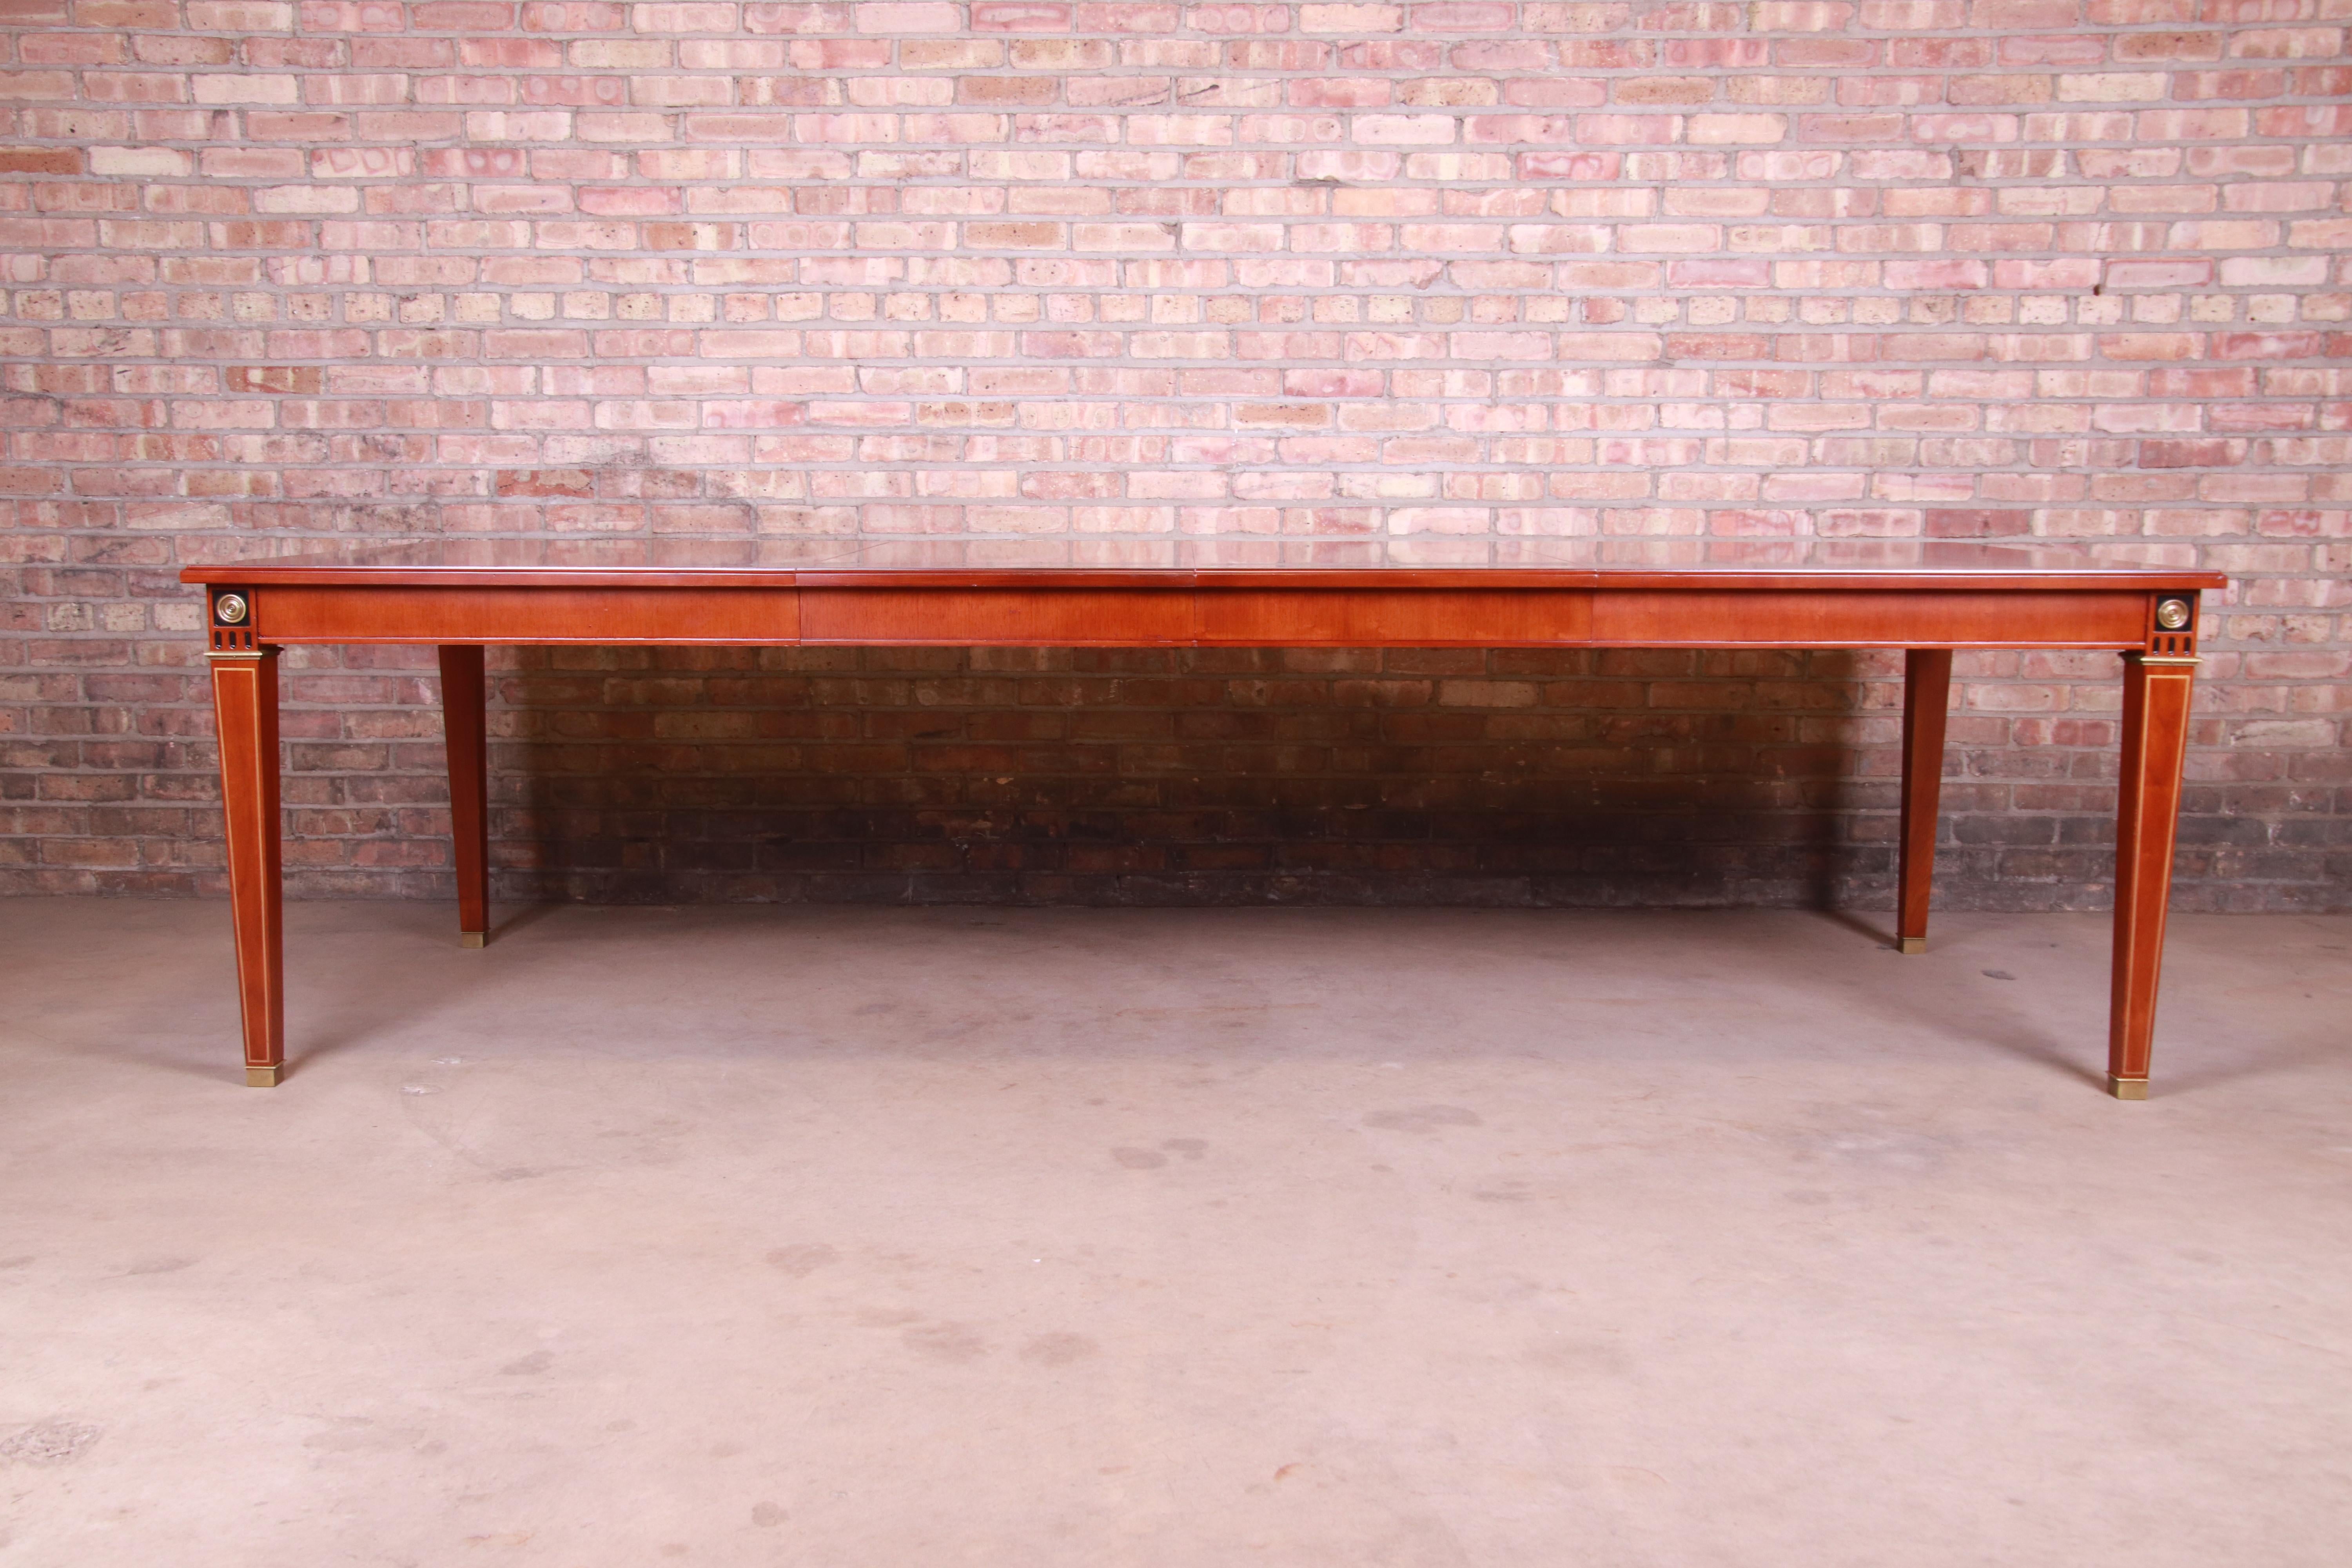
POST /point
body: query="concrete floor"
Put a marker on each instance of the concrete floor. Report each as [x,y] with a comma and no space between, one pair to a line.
[1165,1239]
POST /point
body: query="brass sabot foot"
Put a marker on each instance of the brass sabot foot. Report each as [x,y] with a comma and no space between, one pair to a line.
[262,1078]
[1910,946]
[2127,1087]
[473,938]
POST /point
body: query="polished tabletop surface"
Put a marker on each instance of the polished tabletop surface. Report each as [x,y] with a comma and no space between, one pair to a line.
[1064,562]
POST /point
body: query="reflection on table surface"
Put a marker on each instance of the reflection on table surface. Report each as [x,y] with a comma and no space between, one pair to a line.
[1221,554]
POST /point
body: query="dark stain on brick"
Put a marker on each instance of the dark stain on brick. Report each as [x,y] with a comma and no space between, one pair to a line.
[40,159]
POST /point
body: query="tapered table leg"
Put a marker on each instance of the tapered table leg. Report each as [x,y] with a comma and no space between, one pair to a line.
[1927,693]
[2148,814]
[245,714]
[464,697]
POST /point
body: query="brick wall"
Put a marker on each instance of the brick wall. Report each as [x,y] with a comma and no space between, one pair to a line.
[2068,270]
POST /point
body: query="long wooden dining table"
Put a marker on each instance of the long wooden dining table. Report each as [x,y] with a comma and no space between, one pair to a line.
[1929,599]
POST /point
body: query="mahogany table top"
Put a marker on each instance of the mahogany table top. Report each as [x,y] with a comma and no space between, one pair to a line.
[1415,562]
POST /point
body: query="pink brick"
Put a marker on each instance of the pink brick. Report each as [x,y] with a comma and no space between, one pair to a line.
[1801,16]
[906,17]
[1461,15]
[1020,16]
[813,16]
[1350,20]
[462,16]
[693,17]
[1637,130]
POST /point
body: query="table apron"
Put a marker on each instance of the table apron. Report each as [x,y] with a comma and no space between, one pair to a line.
[300,613]
[999,617]
[1207,617]
[1871,618]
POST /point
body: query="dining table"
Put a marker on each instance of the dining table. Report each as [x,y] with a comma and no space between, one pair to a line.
[1931,599]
